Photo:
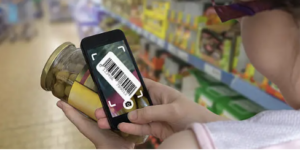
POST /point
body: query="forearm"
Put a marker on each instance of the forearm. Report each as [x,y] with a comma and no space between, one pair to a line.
[195,113]
[181,140]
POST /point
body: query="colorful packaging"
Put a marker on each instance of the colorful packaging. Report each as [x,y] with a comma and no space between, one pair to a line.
[272,89]
[237,108]
[208,96]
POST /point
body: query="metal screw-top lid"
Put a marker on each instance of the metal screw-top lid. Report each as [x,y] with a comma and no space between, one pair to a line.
[46,76]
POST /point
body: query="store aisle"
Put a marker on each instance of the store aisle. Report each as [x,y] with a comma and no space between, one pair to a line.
[29,117]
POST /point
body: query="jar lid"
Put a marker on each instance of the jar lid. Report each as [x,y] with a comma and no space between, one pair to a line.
[45,73]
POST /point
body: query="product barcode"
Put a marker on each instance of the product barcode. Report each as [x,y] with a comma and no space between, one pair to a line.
[118,76]
[116,73]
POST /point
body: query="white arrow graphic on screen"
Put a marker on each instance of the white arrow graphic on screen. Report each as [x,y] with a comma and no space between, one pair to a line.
[141,94]
[93,56]
[121,47]
[111,105]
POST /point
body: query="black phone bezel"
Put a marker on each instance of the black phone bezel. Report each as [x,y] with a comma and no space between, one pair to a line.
[99,40]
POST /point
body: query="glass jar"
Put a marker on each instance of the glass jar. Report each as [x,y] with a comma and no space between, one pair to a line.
[67,76]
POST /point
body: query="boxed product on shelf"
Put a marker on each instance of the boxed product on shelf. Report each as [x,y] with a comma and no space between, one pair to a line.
[157,57]
[130,9]
[216,49]
[223,101]
[204,79]
[109,23]
[151,59]
[216,41]
[255,77]
[196,79]
[121,7]
[185,12]
[153,54]
[208,96]
[212,17]
[184,20]
[145,46]
[136,13]
[240,65]
[272,89]
[155,17]
[237,108]
[174,70]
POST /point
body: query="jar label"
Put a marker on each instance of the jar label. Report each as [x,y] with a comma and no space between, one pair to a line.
[84,100]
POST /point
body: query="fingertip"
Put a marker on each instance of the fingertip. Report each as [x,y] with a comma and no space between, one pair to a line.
[127,128]
[123,126]
[132,116]
[134,129]
[103,123]
[59,104]
[99,113]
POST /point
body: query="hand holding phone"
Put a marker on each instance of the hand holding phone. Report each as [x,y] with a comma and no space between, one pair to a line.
[112,66]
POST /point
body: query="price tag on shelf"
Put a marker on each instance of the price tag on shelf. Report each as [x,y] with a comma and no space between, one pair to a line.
[183,55]
[161,43]
[172,49]
[152,38]
[132,26]
[135,27]
[123,21]
[146,34]
[213,71]
[139,30]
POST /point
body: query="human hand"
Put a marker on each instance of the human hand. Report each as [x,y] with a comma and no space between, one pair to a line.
[172,112]
[102,139]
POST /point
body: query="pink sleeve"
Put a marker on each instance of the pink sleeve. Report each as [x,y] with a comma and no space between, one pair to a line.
[267,130]
[288,145]
[202,135]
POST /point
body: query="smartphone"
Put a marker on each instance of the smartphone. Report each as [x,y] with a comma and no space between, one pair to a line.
[112,66]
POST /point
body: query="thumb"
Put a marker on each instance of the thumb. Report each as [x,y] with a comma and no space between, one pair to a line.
[161,113]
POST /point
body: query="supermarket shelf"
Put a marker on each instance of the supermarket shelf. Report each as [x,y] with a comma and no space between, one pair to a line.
[146,61]
[252,92]
[82,25]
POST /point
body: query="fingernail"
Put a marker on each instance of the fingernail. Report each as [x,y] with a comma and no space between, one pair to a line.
[132,115]
[59,104]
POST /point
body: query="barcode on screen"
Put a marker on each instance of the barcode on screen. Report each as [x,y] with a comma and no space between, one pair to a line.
[118,76]
[115,72]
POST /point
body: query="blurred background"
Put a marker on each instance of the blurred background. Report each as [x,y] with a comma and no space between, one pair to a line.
[180,43]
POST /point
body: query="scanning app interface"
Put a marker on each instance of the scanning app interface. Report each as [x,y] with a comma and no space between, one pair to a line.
[118,78]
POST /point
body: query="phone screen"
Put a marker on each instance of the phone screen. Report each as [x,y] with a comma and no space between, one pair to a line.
[117,76]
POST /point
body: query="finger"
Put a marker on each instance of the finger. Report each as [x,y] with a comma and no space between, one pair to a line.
[135,129]
[83,124]
[103,123]
[99,113]
[163,113]
[72,114]
[161,94]
[149,83]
